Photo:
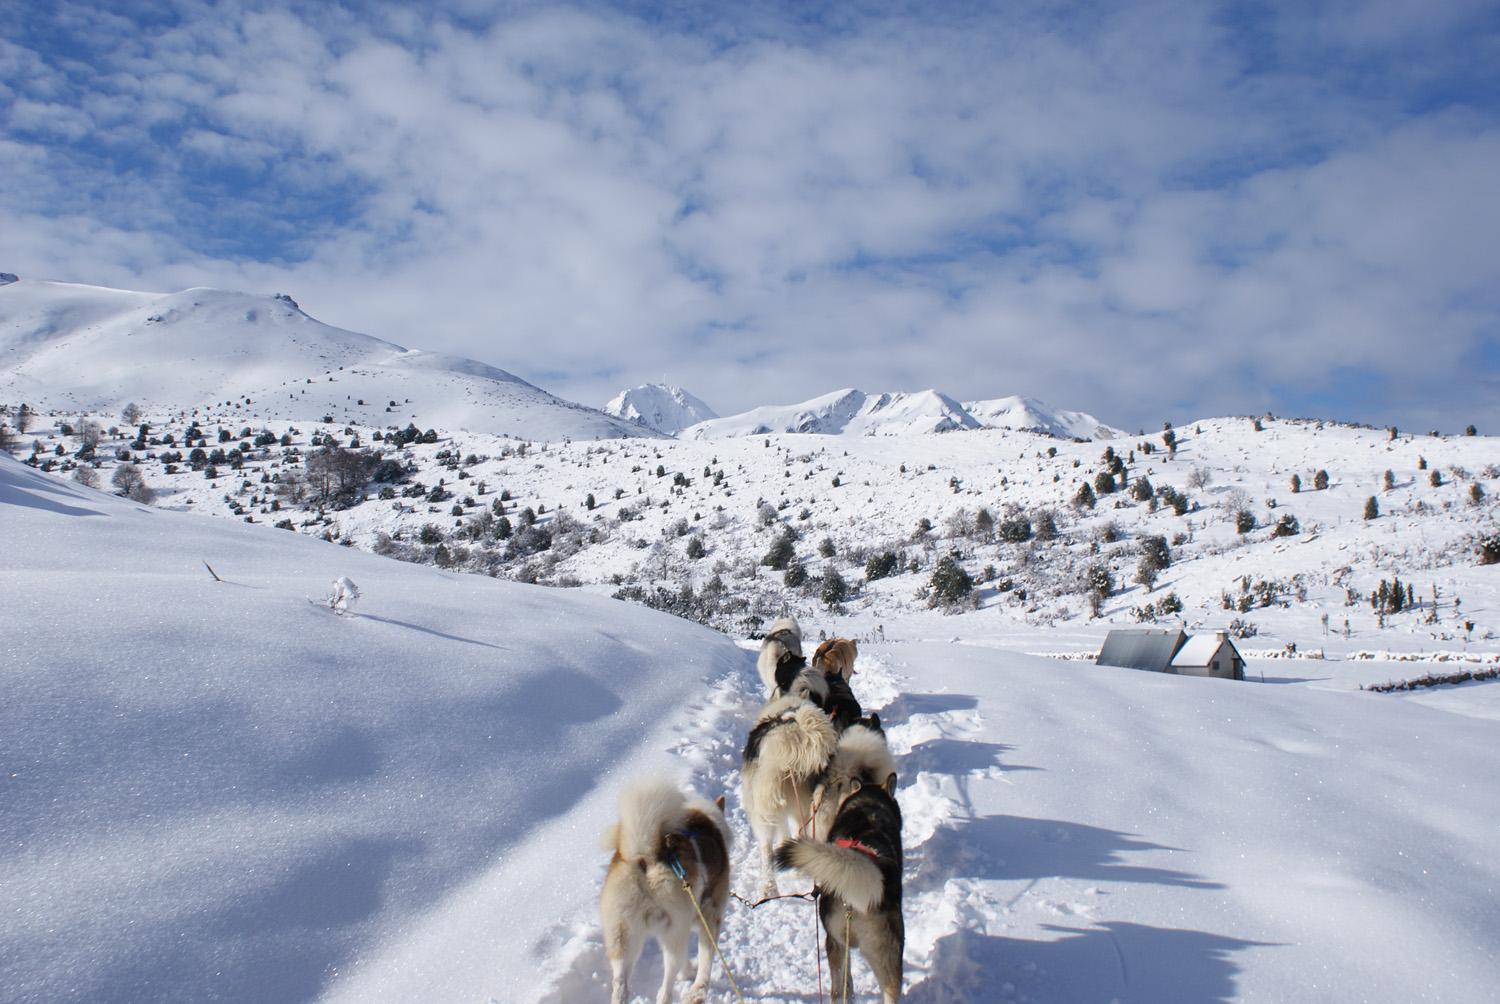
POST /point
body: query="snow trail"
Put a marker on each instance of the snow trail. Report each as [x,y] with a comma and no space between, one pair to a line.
[774,948]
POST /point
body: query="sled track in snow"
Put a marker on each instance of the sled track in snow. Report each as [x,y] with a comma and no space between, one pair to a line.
[773,948]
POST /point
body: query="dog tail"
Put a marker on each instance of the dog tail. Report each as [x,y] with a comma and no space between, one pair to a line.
[648,809]
[850,874]
[803,746]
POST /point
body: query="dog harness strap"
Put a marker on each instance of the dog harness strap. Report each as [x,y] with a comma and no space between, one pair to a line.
[855,845]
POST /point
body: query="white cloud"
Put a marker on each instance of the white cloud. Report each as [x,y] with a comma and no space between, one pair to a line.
[1115,214]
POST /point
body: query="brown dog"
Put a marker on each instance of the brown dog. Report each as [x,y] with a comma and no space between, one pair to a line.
[836,655]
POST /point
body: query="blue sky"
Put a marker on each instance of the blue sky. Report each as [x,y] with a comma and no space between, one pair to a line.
[1148,211]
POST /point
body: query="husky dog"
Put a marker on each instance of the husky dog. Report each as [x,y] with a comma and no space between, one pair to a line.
[782,641]
[858,877]
[643,897]
[788,749]
[861,757]
[836,655]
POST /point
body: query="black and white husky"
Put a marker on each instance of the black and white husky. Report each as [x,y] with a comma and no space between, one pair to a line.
[857,863]
[781,646]
[660,831]
[786,753]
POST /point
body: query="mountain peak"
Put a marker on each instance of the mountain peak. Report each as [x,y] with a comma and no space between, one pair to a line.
[663,407]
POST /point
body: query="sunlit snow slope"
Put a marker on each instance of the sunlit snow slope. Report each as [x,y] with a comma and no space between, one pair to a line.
[65,346]
[219,791]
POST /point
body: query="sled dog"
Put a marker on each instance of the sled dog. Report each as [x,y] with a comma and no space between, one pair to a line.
[782,641]
[836,655]
[643,897]
[860,757]
[857,872]
[788,748]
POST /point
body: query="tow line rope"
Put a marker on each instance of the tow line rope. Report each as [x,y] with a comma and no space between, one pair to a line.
[681,873]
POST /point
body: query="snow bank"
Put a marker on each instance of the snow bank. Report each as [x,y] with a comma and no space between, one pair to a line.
[220,791]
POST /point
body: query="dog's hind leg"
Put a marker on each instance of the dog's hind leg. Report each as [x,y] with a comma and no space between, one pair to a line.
[767,864]
[839,956]
[674,950]
[698,992]
[881,945]
[623,947]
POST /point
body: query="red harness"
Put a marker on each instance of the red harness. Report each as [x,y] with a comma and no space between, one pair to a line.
[855,845]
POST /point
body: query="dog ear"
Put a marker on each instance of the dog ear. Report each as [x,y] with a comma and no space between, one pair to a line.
[890,784]
[875,721]
[720,802]
[855,785]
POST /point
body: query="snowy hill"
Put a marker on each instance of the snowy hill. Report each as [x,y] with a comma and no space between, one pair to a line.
[661,407]
[845,412]
[86,348]
[218,791]
[1016,412]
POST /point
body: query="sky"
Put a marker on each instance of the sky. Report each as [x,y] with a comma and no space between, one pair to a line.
[1148,211]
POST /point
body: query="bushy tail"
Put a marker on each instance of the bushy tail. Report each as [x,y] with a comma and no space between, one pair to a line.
[849,874]
[648,808]
[803,746]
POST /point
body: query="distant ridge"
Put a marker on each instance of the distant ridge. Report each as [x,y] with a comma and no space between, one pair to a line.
[65,346]
[855,412]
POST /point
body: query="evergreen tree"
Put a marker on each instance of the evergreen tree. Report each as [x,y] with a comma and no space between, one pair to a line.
[949,582]
[1084,499]
[834,590]
[1296,483]
[1372,508]
[1320,480]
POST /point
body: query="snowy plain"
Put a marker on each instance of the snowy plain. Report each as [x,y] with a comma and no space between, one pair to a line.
[220,791]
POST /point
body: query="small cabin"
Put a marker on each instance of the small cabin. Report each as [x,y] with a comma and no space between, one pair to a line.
[1167,651]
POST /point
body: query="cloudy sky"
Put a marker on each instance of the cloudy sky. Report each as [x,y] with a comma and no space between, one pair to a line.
[1144,210]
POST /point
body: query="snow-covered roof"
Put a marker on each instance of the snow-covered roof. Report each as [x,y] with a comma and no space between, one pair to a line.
[1199,650]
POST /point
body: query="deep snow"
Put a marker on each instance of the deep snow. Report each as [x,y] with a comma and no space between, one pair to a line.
[222,791]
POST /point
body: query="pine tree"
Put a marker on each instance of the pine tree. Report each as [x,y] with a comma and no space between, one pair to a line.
[1372,508]
[1296,483]
[1320,480]
[1085,497]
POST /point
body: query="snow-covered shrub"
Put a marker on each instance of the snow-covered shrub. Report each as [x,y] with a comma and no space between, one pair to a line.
[949,584]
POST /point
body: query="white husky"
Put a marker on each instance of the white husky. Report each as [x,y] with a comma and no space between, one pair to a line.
[787,750]
[643,897]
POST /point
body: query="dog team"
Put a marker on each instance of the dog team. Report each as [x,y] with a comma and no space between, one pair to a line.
[818,785]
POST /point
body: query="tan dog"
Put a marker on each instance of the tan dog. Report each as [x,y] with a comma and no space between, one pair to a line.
[643,897]
[836,655]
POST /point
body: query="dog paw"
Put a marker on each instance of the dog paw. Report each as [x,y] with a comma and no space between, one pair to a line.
[695,995]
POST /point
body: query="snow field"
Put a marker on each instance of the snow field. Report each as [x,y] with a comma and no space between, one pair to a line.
[218,791]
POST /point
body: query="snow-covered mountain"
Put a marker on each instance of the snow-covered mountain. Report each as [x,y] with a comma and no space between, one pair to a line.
[856,413]
[65,346]
[1016,412]
[660,406]
[845,412]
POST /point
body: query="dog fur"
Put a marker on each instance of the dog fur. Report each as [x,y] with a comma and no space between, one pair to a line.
[783,640]
[836,655]
[643,897]
[857,872]
[787,751]
[861,757]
